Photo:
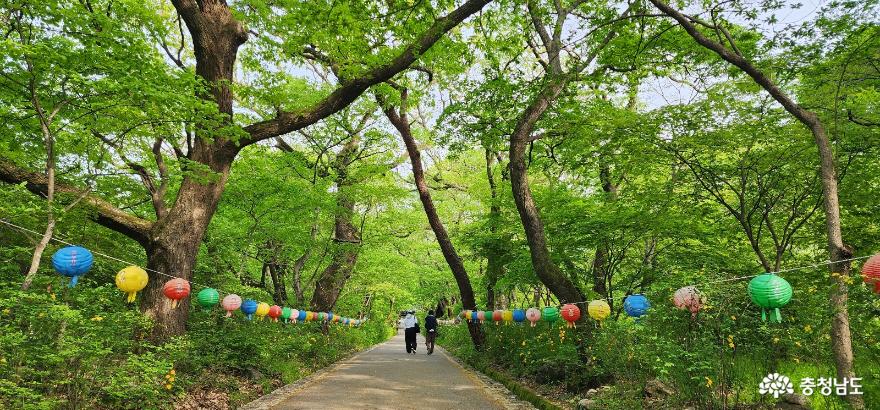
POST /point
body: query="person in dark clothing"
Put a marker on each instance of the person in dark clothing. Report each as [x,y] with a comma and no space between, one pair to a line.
[430,331]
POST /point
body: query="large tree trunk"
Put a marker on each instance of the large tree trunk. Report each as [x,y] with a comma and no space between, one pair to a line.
[346,238]
[841,341]
[401,123]
[174,240]
[547,271]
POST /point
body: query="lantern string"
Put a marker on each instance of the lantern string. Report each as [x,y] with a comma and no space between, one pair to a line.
[55,238]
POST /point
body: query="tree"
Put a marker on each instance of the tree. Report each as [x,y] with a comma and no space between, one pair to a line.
[839,253]
[171,241]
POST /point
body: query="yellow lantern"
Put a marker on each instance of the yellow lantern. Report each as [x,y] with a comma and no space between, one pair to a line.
[507,316]
[262,310]
[599,310]
[131,280]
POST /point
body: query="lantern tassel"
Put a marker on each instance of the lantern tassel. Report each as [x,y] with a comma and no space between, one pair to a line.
[778,316]
[228,313]
[763,315]
[73,280]
[131,296]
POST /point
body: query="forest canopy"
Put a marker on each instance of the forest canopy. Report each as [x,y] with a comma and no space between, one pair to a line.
[371,157]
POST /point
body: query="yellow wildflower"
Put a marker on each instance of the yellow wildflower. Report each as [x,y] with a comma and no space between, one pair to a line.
[97,318]
[775,340]
[732,317]
[808,329]
[6,311]
[709,382]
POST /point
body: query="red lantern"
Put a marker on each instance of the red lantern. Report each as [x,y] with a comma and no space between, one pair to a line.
[497,316]
[275,312]
[871,272]
[176,289]
[571,314]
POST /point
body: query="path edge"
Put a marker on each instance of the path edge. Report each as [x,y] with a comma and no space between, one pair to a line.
[496,379]
[275,397]
[494,383]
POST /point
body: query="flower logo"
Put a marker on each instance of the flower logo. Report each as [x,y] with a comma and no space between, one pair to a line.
[776,384]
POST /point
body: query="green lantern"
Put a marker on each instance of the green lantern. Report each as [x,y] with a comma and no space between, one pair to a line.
[285,314]
[208,298]
[550,314]
[770,292]
[488,314]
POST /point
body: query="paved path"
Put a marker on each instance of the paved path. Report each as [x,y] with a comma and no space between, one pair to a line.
[385,377]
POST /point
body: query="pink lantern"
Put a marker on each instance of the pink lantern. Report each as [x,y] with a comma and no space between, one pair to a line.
[533,315]
[231,303]
[481,316]
[688,298]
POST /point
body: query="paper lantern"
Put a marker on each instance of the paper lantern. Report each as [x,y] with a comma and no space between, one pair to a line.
[688,298]
[231,303]
[274,312]
[262,310]
[487,315]
[73,262]
[176,289]
[131,280]
[208,298]
[481,316]
[571,313]
[519,315]
[330,316]
[249,307]
[497,316]
[336,318]
[310,316]
[533,315]
[301,316]
[475,316]
[322,316]
[599,310]
[770,292]
[286,314]
[636,305]
[550,314]
[871,272]
[507,316]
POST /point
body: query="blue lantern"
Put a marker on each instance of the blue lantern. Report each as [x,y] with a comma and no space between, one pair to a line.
[249,307]
[636,305]
[519,315]
[474,317]
[73,262]
[330,316]
[302,316]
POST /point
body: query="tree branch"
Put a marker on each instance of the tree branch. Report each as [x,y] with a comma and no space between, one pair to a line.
[348,91]
[106,214]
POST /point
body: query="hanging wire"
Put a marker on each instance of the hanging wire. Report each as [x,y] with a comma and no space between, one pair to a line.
[55,238]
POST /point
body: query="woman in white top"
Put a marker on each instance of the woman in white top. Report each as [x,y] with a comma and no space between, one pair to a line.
[410,328]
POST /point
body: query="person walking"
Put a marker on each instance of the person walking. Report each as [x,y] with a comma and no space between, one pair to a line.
[410,328]
[430,331]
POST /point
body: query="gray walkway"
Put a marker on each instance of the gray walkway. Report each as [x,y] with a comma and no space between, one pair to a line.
[385,377]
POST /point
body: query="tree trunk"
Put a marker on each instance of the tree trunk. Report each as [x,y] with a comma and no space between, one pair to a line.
[347,240]
[174,240]
[841,340]
[547,271]
[494,266]
[401,123]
